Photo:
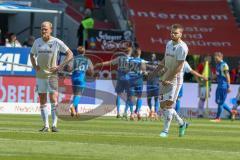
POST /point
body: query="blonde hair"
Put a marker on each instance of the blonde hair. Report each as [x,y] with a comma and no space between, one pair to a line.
[46,23]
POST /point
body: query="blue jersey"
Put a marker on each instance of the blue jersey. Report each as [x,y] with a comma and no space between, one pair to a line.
[80,66]
[123,67]
[221,68]
[155,80]
[135,68]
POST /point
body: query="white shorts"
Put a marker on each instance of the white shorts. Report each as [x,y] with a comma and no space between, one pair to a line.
[202,92]
[46,85]
[170,92]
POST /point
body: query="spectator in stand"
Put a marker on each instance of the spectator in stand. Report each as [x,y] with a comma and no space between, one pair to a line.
[29,42]
[235,74]
[89,4]
[86,23]
[12,41]
[99,3]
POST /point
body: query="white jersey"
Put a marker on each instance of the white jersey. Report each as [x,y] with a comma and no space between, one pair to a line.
[46,54]
[174,53]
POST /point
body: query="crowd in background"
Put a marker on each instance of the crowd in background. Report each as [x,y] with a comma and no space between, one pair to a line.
[10,40]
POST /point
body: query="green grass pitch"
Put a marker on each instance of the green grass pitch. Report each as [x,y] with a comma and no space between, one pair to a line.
[108,138]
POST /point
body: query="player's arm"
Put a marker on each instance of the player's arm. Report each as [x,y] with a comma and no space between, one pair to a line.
[90,70]
[33,61]
[106,63]
[67,59]
[144,67]
[227,75]
[198,75]
[32,57]
[177,70]
[69,56]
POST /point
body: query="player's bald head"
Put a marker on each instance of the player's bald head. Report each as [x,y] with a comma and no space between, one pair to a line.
[46,24]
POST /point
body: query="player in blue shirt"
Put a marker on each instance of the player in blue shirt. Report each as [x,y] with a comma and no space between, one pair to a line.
[122,62]
[136,69]
[81,65]
[153,89]
[223,87]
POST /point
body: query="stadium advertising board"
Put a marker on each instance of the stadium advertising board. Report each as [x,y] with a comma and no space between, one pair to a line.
[17,95]
[18,56]
[209,26]
[108,40]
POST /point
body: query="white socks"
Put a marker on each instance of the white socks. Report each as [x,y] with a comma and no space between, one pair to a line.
[44,114]
[54,115]
[178,118]
[169,114]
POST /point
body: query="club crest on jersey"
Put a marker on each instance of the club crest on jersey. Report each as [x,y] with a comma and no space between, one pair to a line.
[50,45]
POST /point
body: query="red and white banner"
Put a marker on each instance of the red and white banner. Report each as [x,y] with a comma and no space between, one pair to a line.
[17,96]
[209,25]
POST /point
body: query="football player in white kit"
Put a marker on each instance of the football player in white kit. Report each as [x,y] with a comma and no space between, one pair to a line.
[43,56]
[175,55]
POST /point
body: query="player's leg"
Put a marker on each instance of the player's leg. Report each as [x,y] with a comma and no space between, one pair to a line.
[202,98]
[44,111]
[155,93]
[149,102]
[171,92]
[53,96]
[149,98]
[177,107]
[225,106]
[119,90]
[156,105]
[53,100]
[42,92]
[201,104]
[138,92]
[220,98]
[234,109]
[130,101]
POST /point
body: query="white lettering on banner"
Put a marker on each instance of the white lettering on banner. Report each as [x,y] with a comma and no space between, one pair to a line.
[4,93]
[8,58]
[12,94]
[179,16]
[14,58]
[108,37]
[28,94]
[21,94]
[194,43]
[187,28]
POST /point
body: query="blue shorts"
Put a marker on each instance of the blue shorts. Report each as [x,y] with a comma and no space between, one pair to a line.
[121,86]
[136,88]
[152,89]
[221,95]
[78,86]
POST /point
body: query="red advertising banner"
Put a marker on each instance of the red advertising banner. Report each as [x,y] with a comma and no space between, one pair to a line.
[209,25]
